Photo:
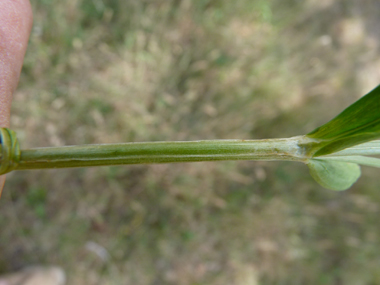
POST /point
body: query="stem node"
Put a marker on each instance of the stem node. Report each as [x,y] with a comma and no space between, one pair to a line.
[10,151]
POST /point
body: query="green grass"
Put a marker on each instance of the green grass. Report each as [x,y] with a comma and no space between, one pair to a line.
[115,71]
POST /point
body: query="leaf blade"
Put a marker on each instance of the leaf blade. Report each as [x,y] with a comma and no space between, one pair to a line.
[334,175]
[358,159]
[358,123]
[368,148]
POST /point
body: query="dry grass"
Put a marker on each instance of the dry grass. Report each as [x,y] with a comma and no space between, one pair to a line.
[113,71]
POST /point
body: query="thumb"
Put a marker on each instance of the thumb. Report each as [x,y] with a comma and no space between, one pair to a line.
[15,26]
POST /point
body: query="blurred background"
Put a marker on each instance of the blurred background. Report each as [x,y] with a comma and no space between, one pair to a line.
[103,71]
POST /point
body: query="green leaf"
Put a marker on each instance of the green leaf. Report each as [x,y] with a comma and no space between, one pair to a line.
[359,123]
[334,175]
[368,148]
[359,159]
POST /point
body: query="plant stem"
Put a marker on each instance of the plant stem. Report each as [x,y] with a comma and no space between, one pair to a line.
[162,152]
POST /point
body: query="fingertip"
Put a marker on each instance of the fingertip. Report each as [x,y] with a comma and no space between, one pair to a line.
[15,26]
[16,20]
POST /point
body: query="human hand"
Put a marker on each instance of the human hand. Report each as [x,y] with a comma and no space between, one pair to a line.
[15,26]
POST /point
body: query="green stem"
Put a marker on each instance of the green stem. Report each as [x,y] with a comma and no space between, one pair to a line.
[159,152]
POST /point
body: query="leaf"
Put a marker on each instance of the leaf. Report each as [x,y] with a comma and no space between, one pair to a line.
[368,148]
[334,175]
[358,123]
[358,159]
